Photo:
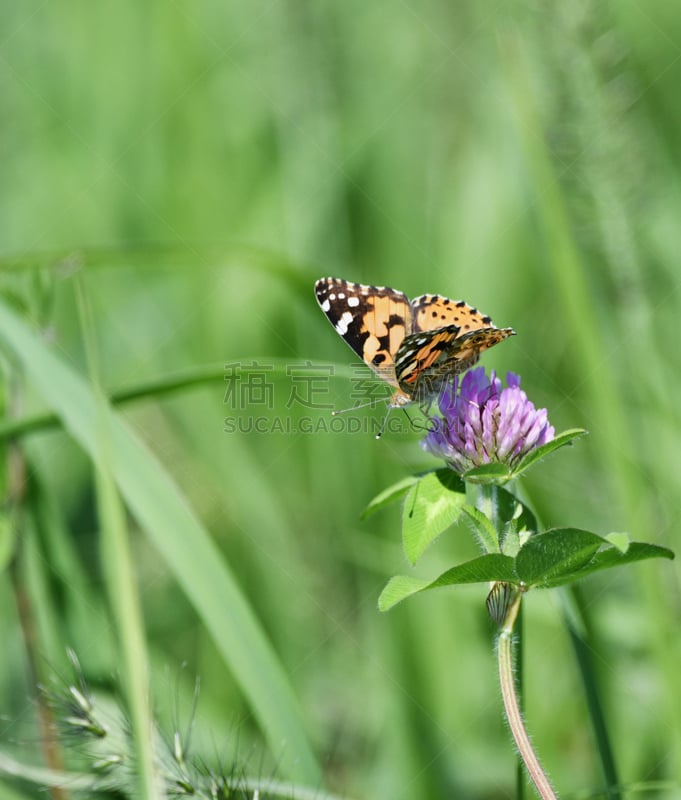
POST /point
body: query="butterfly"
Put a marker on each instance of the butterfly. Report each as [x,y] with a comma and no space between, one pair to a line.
[416,346]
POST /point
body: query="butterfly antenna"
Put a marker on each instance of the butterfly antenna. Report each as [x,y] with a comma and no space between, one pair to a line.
[385,419]
[336,412]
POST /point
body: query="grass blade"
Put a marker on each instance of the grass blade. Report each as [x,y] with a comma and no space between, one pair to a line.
[180,538]
[121,585]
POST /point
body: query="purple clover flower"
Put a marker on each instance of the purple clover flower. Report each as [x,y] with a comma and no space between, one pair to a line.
[482,423]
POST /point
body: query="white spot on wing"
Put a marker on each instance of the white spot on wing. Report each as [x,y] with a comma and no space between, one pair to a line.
[343,322]
[326,305]
[353,301]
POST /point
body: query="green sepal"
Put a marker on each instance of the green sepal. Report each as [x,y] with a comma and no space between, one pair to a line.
[489,473]
[484,528]
[502,473]
[514,520]
[563,439]
[432,504]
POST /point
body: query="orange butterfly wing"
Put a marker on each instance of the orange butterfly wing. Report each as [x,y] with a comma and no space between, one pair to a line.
[373,320]
[414,346]
[448,338]
[431,311]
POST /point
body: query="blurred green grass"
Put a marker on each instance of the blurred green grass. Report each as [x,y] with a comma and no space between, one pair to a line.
[208,162]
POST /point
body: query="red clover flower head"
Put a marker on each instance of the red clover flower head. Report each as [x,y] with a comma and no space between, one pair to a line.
[483,423]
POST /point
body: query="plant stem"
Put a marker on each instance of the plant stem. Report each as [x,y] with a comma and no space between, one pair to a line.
[521,782]
[14,501]
[485,498]
[120,578]
[510,696]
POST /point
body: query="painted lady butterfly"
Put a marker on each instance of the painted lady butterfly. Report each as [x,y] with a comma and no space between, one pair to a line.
[416,346]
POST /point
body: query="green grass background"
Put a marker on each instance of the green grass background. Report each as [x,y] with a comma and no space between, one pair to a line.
[199,164]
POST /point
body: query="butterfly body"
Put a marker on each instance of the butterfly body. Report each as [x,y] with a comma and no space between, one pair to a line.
[416,346]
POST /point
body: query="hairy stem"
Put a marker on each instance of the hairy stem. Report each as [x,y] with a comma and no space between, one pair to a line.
[511,704]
